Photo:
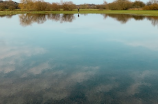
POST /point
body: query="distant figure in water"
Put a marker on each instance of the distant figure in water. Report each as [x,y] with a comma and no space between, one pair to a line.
[78,15]
[78,9]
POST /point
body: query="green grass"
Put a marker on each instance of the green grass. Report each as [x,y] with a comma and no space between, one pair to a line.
[86,11]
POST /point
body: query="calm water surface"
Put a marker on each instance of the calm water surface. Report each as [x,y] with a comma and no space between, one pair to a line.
[78,59]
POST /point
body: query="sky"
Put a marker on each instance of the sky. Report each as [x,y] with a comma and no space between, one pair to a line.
[85,1]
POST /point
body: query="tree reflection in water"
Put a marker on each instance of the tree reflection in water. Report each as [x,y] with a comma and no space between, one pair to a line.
[67,18]
[28,19]
[153,19]
[55,17]
[7,16]
[123,18]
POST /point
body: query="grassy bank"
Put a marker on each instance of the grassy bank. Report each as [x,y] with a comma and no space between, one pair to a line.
[86,11]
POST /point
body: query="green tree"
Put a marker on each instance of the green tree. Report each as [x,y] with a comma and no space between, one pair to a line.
[138,4]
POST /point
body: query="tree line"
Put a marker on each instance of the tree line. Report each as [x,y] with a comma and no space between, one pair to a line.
[37,5]
[128,5]
[40,5]
[10,5]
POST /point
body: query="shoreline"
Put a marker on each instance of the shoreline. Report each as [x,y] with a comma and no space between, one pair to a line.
[86,11]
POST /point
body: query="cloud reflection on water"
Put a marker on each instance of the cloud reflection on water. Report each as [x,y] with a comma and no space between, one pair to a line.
[48,82]
[11,55]
[91,73]
[53,84]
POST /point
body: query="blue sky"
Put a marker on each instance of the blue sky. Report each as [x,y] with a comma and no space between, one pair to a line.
[84,1]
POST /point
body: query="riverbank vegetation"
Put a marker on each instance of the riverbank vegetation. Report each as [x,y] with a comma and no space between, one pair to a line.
[10,5]
[40,5]
[68,7]
[86,11]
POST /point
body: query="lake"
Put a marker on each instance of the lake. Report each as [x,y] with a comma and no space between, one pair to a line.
[78,59]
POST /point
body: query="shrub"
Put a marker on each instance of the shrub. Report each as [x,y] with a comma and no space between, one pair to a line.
[84,6]
[8,5]
[148,3]
[113,6]
[26,5]
[11,7]
[41,6]
[151,7]
[68,6]
[2,7]
[55,7]
[101,6]
[138,4]
[34,5]
[120,5]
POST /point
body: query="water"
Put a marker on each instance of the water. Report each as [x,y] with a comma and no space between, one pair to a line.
[90,59]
